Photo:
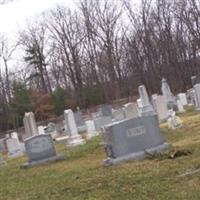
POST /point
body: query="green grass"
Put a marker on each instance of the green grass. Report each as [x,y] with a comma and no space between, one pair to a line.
[82,176]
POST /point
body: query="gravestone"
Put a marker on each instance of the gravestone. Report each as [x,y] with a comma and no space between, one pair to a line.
[173,121]
[182,97]
[147,108]
[90,127]
[40,149]
[80,123]
[14,135]
[30,124]
[160,107]
[180,106]
[130,110]
[99,122]
[197,96]
[74,138]
[2,162]
[14,147]
[41,130]
[2,145]
[118,114]
[133,138]
[52,130]
[166,91]
[105,110]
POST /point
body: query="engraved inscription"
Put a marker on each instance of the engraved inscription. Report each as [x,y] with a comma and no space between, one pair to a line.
[40,144]
[133,132]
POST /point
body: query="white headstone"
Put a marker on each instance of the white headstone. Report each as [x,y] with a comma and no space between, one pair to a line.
[14,135]
[90,127]
[147,108]
[15,148]
[131,110]
[74,138]
[182,97]
[160,107]
[30,124]
[41,130]
[180,106]
[166,91]
[197,95]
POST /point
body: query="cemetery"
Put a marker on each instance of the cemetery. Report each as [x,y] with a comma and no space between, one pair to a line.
[99,100]
[140,150]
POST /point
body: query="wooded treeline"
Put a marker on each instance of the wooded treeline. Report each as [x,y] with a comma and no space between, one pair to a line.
[98,52]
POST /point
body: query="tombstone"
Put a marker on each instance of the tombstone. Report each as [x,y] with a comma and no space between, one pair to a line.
[2,162]
[30,124]
[182,97]
[74,138]
[40,149]
[15,149]
[118,114]
[139,103]
[100,122]
[197,96]
[180,106]
[191,97]
[133,138]
[80,123]
[105,110]
[168,95]
[147,108]
[52,130]
[130,110]
[41,130]
[14,135]
[173,121]
[160,105]
[90,127]
[2,145]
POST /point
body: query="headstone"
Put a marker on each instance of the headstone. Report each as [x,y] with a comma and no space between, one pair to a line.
[147,108]
[2,145]
[14,148]
[118,114]
[168,95]
[139,103]
[41,130]
[173,121]
[90,127]
[105,110]
[182,97]
[30,124]
[2,162]
[130,110]
[197,96]
[74,138]
[14,135]
[40,149]
[180,106]
[101,122]
[132,138]
[160,107]
[80,123]
[52,130]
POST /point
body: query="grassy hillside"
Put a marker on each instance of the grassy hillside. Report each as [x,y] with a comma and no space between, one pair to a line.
[82,176]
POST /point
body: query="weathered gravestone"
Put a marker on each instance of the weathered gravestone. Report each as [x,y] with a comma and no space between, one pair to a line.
[41,130]
[131,110]
[160,106]
[197,96]
[133,138]
[30,124]
[100,122]
[118,114]
[180,106]
[14,147]
[147,108]
[166,91]
[105,110]
[182,97]
[80,123]
[74,138]
[90,127]
[40,150]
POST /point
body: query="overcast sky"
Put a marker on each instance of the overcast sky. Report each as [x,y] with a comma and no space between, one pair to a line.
[14,14]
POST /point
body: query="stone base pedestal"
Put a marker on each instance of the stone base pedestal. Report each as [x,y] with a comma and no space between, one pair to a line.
[137,155]
[62,139]
[75,141]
